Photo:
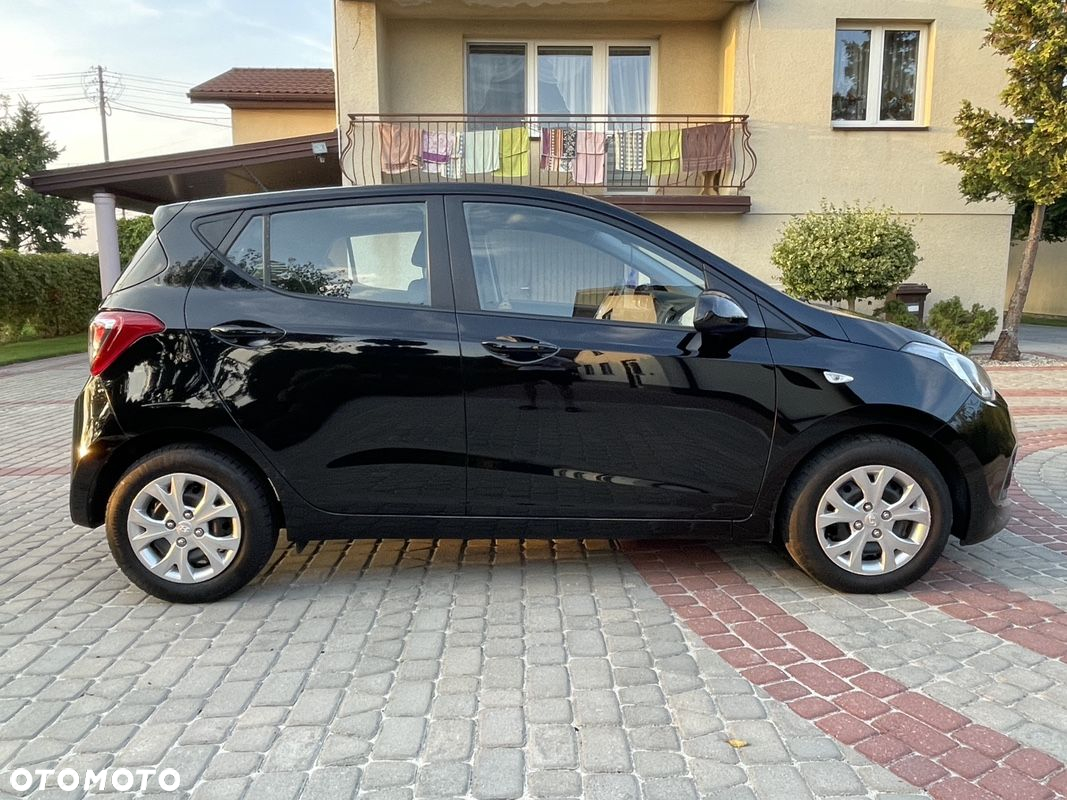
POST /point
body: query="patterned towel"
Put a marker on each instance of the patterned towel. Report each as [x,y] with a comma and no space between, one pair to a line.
[630,151]
[558,148]
[436,151]
[454,169]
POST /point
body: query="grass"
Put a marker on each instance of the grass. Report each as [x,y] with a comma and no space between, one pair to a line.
[17,352]
[1041,319]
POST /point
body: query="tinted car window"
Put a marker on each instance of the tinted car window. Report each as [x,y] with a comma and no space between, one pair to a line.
[246,252]
[364,252]
[530,260]
[147,262]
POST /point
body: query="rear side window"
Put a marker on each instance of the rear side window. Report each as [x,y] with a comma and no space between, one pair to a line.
[246,252]
[147,262]
[375,252]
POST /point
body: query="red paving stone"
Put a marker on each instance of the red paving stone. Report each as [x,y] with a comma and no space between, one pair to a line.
[919,739]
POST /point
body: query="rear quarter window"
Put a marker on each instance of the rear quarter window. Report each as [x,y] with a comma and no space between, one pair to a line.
[149,260]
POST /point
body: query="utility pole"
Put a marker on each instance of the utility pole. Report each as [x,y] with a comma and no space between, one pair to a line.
[102,101]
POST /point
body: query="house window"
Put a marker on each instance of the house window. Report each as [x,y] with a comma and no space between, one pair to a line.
[560,78]
[879,75]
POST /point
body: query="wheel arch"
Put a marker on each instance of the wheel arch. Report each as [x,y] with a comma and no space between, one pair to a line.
[135,448]
[917,434]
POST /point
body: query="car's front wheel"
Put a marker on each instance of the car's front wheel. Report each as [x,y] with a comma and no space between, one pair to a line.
[868,514]
[190,525]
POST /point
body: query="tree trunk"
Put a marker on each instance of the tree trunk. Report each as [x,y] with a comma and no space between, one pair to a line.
[1007,346]
[852,304]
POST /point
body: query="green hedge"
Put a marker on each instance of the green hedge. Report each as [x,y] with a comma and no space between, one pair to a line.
[52,294]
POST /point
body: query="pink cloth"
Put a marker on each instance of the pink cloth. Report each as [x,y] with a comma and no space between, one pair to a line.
[590,158]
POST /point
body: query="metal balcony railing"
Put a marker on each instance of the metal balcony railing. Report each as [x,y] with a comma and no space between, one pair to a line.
[601,154]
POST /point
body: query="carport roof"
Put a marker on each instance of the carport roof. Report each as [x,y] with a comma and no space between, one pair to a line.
[141,184]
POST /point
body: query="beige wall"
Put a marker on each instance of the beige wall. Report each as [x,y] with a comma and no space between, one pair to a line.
[1048,286]
[424,58]
[782,78]
[775,65]
[264,124]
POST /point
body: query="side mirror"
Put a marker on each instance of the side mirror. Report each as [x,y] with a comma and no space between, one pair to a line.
[717,312]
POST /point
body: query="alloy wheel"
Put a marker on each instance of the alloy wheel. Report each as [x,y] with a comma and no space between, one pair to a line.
[184,528]
[873,519]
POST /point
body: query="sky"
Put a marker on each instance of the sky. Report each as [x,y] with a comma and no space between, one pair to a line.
[154,51]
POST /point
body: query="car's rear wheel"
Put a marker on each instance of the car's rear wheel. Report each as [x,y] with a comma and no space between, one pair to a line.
[867,514]
[190,525]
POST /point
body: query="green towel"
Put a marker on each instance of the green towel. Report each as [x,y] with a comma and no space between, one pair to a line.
[515,153]
[663,152]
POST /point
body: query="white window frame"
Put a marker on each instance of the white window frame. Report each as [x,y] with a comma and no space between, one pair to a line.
[600,67]
[874,75]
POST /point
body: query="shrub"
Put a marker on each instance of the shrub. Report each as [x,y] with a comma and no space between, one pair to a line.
[54,294]
[845,253]
[897,312]
[956,326]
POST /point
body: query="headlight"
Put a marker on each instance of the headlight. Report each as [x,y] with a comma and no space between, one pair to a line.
[964,369]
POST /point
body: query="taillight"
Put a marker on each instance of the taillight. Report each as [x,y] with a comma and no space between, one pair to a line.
[111,332]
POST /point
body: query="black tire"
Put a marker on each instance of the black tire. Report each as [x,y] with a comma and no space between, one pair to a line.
[259,531]
[800,507]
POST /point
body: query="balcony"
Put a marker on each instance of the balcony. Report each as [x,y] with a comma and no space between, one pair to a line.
[655,163]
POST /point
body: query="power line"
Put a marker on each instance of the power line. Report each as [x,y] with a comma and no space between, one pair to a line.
[153,79]
[143,112]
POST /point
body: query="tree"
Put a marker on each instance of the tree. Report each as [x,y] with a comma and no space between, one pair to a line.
[29,220]
[845,253]
[132,233]
[1021,157]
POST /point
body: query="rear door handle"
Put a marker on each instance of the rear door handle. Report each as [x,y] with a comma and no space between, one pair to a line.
[520,349]
[247,334]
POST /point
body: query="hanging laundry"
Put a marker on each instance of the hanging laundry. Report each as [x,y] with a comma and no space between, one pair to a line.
[630,151]
[663,153]
[436,151]
[400,147]
[514,153]
[481,151]
[707,148]
[558,148]
[590,158]
[454,168]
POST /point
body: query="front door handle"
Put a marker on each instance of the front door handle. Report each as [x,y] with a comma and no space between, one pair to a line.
[247,334]
[520,349]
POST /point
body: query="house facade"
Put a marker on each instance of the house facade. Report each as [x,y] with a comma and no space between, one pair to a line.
[272,103]
[719,119]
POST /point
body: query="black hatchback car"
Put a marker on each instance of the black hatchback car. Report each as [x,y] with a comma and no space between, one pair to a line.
[478,361]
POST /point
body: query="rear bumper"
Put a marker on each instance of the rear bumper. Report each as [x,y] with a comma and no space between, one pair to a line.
[987,457]
[96,434]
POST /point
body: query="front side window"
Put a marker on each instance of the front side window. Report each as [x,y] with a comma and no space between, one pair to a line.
[541,261]
[878,75]
[374,252]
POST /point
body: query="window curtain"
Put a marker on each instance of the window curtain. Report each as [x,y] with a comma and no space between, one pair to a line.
[496,79]
[900,60]
[565,80]
[629,80]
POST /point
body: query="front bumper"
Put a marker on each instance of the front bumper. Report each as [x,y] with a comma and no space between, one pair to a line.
[986,449]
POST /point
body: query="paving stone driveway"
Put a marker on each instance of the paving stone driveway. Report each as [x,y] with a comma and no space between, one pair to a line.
[506,669]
